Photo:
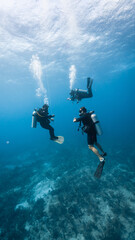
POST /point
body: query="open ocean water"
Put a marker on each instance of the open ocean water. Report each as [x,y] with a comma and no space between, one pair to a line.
[48,191]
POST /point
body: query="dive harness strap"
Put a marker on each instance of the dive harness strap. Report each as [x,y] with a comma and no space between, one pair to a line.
[40,115]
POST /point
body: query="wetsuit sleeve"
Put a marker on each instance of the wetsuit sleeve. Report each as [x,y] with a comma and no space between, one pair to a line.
[80,118]
[50,116]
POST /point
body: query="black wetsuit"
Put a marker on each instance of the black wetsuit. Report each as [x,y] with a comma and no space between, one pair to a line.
[44,119]
[79,94]
[88,127]
[83,94]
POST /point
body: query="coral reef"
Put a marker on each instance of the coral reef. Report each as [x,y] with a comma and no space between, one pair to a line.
[55,196]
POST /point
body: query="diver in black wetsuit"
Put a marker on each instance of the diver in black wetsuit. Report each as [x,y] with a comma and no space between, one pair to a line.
[78,94]
[44,118]
[89,128]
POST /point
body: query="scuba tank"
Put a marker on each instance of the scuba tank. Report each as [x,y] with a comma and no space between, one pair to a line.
[97,124]
[34,119]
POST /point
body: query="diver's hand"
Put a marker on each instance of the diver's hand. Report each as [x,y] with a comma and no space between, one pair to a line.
[74,120]
[52,119]
[53,115]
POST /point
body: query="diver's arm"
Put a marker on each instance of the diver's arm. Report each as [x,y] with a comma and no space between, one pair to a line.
[78,119]
[50,116]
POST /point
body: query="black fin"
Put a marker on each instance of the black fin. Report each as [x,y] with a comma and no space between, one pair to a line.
[88,82]
[99,170]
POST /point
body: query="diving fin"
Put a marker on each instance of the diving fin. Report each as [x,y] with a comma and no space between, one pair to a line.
[59,140]
[88,82]
[99,170]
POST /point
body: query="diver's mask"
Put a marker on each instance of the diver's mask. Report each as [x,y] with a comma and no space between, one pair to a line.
[82,111]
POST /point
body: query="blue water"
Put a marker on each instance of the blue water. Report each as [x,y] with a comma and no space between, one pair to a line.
[48,191]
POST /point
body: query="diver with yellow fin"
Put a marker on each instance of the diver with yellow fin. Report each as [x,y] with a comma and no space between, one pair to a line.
[92,128]
[42,116]
[79,94]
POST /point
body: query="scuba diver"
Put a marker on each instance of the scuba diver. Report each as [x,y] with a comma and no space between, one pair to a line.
[42,116]
[91,127]
[78,94]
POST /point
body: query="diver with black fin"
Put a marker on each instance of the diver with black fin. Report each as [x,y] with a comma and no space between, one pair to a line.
[91,127]
[79,94]
[42,116]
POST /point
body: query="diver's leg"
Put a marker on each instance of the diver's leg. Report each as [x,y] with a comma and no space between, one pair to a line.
[101,149]
[82,94]
[89,87]
[91,81]
[94,150]
[51,131]
[88,82]
[89,94]
[50,128]
[91,138]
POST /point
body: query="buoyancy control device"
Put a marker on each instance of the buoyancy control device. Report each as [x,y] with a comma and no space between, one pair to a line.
[97,124]
[34,119]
